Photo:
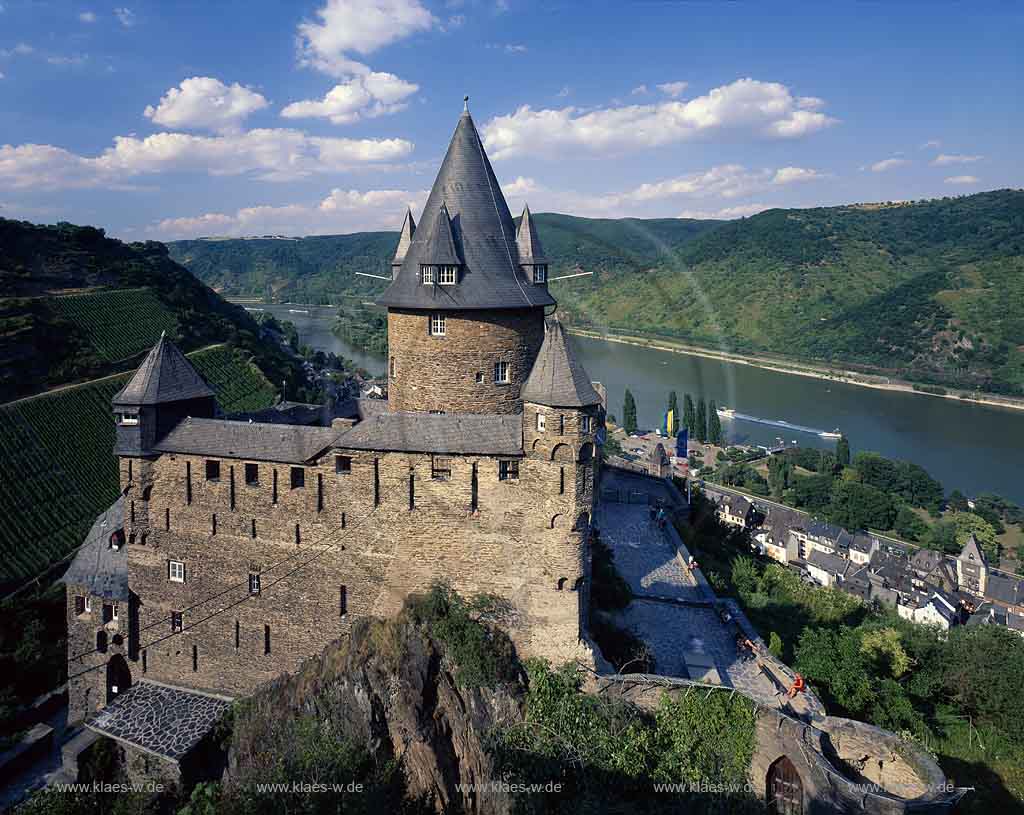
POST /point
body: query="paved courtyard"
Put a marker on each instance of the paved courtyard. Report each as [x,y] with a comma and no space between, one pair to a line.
[672,612]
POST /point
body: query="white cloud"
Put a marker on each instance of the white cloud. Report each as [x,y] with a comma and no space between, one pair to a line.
[359,26]
[725,181]
[19,50]
[673,89]
[515,48]
[727,213]
[962,179]
[125,16]
[73,60]
[202,102]
[639,90]
[888,164]
[945,159]
[268,154]
[746,107]
[340,211]
[368,96]
[931,144]
[87,17]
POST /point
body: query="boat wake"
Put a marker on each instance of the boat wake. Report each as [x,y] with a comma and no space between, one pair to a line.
[825,434]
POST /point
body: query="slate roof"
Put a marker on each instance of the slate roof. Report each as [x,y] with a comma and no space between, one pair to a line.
[361,408]
[527,241]
[284,413]
[863,543]
[485,434]
[484,237]
[833,564]
[223,438]
[98,567]
[404,237]
[439,244]
[971,552]
[557,378]
[164,376]
[1004,588]
[926,560]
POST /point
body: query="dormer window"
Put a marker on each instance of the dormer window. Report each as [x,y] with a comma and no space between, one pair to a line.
[429,275]
[540,273]
[448,275]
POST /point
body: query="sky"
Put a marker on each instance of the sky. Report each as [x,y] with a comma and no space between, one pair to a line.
[165,120]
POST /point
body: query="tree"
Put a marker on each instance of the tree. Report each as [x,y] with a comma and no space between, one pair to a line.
[689,415]
[629,413]
[859,506]
[714,425]
[780,472]
[673,406]
[967,524]
[843,452]
[813,493]
[958,501]
[908,526]
[701,430]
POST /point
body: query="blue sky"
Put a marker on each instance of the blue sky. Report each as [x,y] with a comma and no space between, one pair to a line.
[167,120]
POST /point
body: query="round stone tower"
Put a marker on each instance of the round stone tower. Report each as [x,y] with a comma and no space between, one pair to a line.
[466,303]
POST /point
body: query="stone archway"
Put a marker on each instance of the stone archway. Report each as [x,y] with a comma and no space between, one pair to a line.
[563,453]
[784,789]
[119,677]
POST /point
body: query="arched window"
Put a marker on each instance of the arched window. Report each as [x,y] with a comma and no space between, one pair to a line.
[784,789]
[561,582]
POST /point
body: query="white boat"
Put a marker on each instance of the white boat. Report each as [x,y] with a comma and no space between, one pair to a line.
[728,413]
[835,434]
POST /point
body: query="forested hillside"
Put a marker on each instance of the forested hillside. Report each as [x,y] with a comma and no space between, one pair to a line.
[931,291]
[322,269]
[76,305]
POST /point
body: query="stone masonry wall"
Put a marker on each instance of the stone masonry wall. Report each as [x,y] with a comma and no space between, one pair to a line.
[525,542]
[440,373]
[87,667]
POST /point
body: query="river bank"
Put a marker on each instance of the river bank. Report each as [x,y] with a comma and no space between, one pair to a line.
[799,369]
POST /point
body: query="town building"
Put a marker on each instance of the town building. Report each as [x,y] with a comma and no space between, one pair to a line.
[242,545]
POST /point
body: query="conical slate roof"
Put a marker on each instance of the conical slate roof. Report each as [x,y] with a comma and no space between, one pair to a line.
[164,376]
[557,378]
[405,237]
[530,250]
[484,237]
[439,246]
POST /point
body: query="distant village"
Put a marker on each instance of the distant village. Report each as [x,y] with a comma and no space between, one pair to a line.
[923,585]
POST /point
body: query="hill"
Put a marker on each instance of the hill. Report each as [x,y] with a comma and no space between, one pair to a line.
[931,291]
[76,305]
[59,465]
[322,269]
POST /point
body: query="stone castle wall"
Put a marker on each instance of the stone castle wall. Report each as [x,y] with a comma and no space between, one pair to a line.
[525,542]
[440,373]
[87,666]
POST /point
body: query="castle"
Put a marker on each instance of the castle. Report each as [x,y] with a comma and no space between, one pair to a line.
[242,545]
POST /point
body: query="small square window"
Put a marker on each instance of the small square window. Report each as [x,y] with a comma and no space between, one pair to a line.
[479,377]
[448,275]
[298,478]
[108,613]
[437,325]
[79,604]
[343,464]
[540,273]
[508,469]
[176,571]
[252,474]
[254,583]
[176,622]
[584,424]
[541,422]
[128,418]
[501,372]
[441,468]
[428,275]
[212,470]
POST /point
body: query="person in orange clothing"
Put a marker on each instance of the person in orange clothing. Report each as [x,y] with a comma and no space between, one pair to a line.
[796,687]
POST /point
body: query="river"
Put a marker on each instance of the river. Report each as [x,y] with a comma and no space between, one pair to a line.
[974,448]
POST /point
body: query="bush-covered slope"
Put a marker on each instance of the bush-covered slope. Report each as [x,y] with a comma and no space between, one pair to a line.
[932,291]
[59,466]
[322,269]
[76,305]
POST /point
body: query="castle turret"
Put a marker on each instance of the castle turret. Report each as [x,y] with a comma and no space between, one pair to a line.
[972,568]
[465,319]
[404,239]
[531,255]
